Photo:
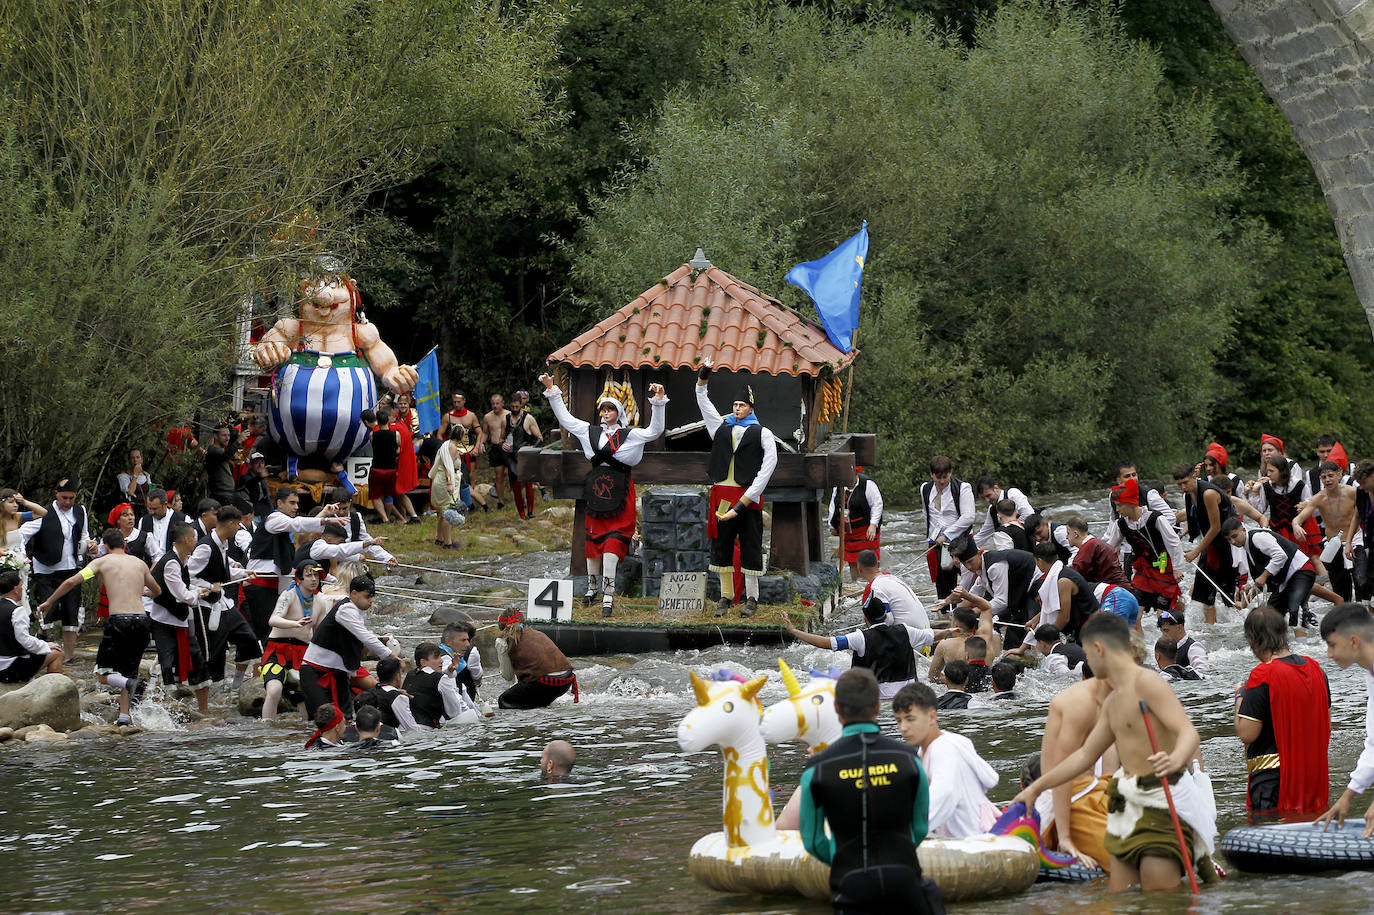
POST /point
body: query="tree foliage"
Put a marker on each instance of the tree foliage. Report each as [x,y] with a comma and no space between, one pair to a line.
[165,161]
[1053,269]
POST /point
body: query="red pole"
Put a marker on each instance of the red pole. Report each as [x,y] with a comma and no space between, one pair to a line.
[1169,797]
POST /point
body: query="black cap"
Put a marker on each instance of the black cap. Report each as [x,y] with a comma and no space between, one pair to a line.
[875,608]
[70,483]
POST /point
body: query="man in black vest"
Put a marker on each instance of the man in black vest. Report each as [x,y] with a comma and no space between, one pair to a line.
[217,621]
[1205,510]
[1276,563]
[178,649]
[1066,597]
[352,520]
[874,795]
[336,650]
[22,656]
[862,517]
[995,580]
[949,513]
[388,698]
[272,557]
[423,685]
[154,530]
[59,543]
[888,649]
[743,457]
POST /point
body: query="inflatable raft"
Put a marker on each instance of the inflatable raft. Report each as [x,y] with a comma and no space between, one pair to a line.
[1299,848]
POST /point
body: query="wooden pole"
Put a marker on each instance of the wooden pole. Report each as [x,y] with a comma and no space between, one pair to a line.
[854,342]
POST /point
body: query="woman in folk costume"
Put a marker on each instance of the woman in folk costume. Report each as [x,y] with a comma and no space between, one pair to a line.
[613,449]
[1280,492]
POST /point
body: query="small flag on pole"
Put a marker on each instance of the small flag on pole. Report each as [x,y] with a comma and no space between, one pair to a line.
[427,392]
[833,282]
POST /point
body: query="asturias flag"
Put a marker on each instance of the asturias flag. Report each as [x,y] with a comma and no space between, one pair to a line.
[833,283]
[427,392]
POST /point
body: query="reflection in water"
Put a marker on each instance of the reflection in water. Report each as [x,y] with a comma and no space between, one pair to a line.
[239,817]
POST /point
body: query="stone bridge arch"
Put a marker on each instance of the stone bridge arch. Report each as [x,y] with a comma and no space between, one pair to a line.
[1316,60]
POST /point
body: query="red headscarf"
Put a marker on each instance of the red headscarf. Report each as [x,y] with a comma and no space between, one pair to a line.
[1276,442]
[1218,454]
[1127,493]
[334,722]
[1339,457]
[510,620]
[117,511]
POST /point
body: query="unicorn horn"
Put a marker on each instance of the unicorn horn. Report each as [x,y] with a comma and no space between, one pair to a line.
[699,687]
[751,689]
[789,679]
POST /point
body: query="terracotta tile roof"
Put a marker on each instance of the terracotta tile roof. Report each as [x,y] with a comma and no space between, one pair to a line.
[683,319]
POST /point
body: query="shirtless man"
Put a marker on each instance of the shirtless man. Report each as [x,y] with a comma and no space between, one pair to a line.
[128,629]
[1079,821]
[1146,851]
[966,624]
[459,415]
[1336,502]
[494,434]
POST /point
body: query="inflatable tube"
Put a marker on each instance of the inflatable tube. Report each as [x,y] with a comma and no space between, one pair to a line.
[1072,873]
[1299,848]
[978,867]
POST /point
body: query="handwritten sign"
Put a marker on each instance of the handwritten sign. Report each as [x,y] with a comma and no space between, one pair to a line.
[682,594]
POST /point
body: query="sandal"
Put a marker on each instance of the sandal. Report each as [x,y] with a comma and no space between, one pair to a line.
[440,543]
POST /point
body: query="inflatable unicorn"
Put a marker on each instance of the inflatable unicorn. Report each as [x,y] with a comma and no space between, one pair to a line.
[749,855]
[806,714]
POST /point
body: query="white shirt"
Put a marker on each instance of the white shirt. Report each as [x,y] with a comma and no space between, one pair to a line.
[903,606]
[946,517]
[770,445]
[19,620]
[919,638]
[373,549]
[155,544]
[871,495]
[959,782]
[349,549]
[1049,595]
[196,564]
[71,555]
[179,592]
[1164,523]
[400,707]
[631,450]
[1023,511]
[279,523]
[1296,478]
[1280,567]
[1363,776]
[351,618]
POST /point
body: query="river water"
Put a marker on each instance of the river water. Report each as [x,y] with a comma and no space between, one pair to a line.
[238,817]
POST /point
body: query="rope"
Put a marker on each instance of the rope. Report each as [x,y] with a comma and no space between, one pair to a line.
[432,600]
[509,581]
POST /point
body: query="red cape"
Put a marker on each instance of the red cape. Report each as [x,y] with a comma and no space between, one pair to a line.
[406,474]
[1300,706]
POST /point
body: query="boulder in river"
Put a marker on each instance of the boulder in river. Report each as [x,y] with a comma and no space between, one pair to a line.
[252,693]
[52,699]
[444,615]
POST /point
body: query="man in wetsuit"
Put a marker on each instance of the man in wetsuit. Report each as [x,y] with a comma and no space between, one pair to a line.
[874,795]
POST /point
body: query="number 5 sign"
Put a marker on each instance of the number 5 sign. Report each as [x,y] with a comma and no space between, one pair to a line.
[550,599]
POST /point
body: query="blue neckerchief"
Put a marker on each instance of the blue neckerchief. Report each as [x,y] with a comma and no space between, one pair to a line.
[750,420]
[307,606]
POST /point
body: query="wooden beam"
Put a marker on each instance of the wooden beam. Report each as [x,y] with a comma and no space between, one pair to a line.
[789,543]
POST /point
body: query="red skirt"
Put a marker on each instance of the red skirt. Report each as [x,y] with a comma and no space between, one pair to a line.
[1148,578]
[613,535]
[855,542]
[1309,540]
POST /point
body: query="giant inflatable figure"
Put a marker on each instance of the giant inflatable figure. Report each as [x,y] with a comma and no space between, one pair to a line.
[327,359]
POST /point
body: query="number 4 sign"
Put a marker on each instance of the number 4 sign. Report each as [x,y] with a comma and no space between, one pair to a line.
[550,599]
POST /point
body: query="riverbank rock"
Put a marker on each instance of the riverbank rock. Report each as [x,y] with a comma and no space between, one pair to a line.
[561,514]
[442,616]
[52,699]
[252,694]
[40,732]
[6,734]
